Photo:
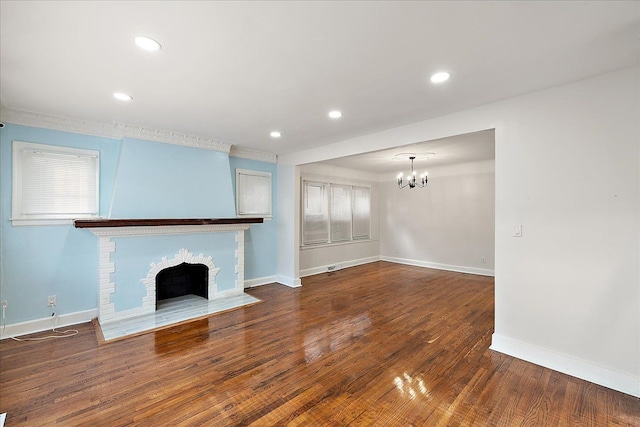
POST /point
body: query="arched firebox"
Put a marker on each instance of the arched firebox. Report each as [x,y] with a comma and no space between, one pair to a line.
[180,280]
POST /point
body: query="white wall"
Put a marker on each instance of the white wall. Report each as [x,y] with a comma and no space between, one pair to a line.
[315,260]
[567,163]
[567,168]
[288,202]
[448,225]
[321,260]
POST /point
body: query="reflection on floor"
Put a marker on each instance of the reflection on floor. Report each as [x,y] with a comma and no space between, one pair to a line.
[173,311]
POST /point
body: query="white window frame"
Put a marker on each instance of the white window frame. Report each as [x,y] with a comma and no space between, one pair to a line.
[327,185]
[18,217]
[244,211]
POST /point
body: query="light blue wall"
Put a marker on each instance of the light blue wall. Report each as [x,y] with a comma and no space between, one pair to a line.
[178,182]
[37,261]
[260,240]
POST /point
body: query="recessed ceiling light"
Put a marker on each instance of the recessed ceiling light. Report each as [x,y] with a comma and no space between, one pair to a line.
[440,77]
[275,134]
[122,96]
[335,114]
[147,43]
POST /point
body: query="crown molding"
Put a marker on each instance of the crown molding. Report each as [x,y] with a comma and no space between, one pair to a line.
[175,138]
[47,121]
[246,153]
[114,130]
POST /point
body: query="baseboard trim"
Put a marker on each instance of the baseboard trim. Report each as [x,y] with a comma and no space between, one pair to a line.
[566,364]
[337,266]
[252,283]
[289,281]
[437,266]
[47,323]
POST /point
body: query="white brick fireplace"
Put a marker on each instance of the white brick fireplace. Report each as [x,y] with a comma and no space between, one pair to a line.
[108,237]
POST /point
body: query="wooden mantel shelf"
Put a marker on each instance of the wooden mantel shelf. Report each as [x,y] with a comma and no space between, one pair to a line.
[161,222]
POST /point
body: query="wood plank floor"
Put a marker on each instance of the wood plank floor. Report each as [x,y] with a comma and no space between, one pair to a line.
[380,344]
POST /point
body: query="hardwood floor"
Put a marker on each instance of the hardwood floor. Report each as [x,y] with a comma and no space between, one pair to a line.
[379,344]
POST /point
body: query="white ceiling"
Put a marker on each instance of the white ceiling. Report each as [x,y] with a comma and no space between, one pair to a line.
[468,148]
[235,71]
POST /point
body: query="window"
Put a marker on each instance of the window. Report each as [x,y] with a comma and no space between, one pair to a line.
[361,213]
[340,212]
[315,213]
[253,193]
[53,185]
[334,213]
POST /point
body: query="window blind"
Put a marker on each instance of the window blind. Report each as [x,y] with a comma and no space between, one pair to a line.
[57,185]
[254,193]
[315,224]
[361,213]
[340,212]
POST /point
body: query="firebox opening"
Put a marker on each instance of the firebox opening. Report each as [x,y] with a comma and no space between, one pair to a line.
[183,279]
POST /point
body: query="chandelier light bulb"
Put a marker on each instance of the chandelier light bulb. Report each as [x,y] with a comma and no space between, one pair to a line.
[412,182]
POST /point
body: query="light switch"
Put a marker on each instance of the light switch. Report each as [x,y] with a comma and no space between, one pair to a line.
[517,231]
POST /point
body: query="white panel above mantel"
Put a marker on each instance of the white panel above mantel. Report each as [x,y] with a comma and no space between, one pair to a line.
[165,230]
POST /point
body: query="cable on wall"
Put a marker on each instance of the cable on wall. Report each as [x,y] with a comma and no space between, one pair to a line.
[62,334]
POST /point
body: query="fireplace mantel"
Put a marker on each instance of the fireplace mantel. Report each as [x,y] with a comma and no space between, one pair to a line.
[164,226]
[155,222]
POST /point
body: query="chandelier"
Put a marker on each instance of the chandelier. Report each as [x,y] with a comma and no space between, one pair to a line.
[411,181]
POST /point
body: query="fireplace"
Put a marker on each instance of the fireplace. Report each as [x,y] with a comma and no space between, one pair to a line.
[181,280]
[131,249]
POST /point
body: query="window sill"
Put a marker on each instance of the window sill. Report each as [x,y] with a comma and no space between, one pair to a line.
[20,222]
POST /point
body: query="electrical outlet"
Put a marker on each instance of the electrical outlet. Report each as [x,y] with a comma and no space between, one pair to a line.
[51,301]
[4,303]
